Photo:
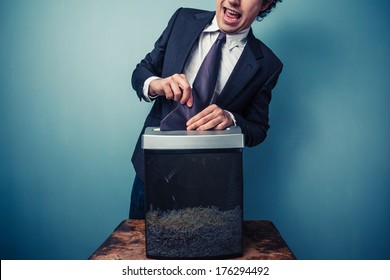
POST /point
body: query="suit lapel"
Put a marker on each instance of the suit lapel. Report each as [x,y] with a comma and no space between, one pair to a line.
[247,65]
[187,37]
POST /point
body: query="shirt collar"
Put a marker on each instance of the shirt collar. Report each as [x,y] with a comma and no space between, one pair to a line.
[232,40]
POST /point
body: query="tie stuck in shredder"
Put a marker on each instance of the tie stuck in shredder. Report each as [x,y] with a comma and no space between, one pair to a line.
[194,193]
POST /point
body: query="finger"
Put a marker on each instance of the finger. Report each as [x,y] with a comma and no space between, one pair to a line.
[185,86]
[223,124]
[171,87]
[225,121]
[197,118]
[177,91]
[186,97]
[218,123]
[167,89]
[200,119]
[213,117]
[190,101]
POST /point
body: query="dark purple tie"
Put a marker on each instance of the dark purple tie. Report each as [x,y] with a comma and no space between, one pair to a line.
[202,89]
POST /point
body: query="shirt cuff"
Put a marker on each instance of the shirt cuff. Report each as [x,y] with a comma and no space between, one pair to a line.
[149,98]
[233,118]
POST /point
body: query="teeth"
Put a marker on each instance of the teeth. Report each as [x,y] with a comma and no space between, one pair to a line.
[233,13]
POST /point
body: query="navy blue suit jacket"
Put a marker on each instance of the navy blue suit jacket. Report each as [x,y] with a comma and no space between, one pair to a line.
[246,95]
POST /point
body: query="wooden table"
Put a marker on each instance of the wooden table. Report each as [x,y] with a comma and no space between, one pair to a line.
[262,241]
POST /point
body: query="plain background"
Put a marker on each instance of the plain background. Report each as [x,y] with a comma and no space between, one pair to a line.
[69,120]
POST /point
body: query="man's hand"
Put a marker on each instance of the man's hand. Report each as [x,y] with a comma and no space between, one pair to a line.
[175,87]
[213,117]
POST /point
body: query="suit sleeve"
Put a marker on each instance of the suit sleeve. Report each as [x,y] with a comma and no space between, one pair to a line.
[254,120]
[153,62]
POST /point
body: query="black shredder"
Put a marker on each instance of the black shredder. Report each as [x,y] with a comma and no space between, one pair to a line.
[194,193]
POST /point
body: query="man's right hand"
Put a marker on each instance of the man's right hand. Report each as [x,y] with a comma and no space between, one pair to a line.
[174,87]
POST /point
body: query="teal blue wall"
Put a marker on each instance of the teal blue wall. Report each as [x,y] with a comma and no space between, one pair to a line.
[69,120]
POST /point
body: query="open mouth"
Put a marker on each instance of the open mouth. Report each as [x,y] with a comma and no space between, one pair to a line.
[231,16]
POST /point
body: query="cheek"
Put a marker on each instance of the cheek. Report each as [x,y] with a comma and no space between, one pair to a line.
[253,11]
[252,16]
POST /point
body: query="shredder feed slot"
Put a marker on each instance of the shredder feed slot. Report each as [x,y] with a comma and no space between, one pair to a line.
[154,139]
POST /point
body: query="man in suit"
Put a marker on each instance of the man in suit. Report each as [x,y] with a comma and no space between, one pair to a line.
[249,71]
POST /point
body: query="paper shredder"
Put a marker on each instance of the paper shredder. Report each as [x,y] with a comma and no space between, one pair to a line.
[193,193]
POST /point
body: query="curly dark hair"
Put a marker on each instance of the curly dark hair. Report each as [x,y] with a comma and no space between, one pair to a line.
[262,14]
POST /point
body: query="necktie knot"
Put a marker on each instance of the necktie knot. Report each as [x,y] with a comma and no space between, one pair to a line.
[221,37]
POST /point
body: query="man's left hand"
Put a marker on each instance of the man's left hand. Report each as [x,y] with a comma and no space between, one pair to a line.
[213,117]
